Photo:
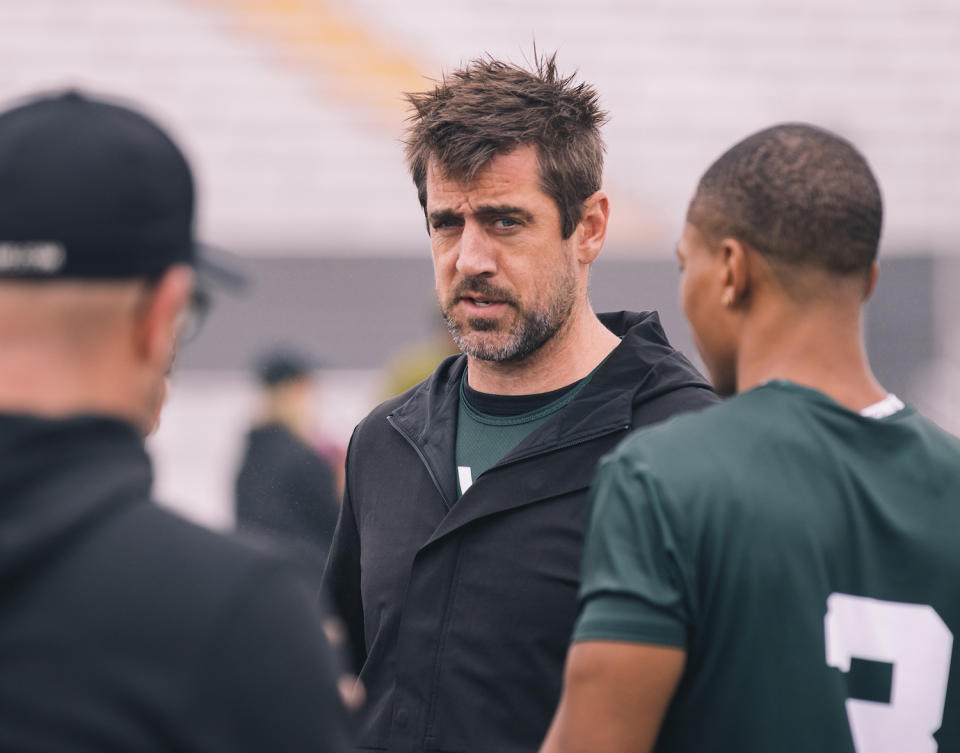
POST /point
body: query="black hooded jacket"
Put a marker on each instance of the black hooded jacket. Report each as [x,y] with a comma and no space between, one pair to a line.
[125,628]
[460,610]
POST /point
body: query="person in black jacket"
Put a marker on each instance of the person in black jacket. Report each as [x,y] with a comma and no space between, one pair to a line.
[285,489]
[124,627]
[456,558]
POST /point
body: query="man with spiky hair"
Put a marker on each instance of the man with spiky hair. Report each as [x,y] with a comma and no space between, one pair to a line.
[780,572]
[456,557]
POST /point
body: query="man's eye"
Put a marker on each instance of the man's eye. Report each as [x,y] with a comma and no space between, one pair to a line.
[445,224]
[506,222]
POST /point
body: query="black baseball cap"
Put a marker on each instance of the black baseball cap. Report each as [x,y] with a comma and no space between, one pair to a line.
[284,365]
[94,190]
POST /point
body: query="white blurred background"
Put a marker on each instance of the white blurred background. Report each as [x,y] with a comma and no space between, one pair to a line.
[292,114]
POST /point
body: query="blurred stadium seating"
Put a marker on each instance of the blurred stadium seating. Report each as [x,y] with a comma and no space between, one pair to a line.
[292,108]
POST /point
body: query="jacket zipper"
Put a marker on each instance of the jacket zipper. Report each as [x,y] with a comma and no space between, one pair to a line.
[423,459]
[431,705]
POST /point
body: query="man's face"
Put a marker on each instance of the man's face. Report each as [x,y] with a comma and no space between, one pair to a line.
[506,280]
[701,294]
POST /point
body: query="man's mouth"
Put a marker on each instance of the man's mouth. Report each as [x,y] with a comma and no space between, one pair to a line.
[479,300]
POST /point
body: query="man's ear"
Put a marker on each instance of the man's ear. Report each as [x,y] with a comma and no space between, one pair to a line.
[162,316]
[591,232]
[735,270]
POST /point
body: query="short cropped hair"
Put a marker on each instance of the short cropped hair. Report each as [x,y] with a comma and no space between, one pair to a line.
[796,193]
[490,107]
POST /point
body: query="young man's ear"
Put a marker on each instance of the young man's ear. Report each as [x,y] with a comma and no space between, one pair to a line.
[592,229]
[736,271]
[163,314]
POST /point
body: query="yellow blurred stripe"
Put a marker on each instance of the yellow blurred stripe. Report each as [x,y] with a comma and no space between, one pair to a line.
[325,37]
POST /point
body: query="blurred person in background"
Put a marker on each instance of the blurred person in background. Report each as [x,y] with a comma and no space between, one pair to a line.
[125,628]
[285,488]
[456,558]
[418,360]
[780,572]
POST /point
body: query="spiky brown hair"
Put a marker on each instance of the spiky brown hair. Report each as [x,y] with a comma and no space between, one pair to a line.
[489,107]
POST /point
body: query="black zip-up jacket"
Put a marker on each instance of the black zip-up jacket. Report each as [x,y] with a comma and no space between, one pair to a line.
[460,610]
[126,628]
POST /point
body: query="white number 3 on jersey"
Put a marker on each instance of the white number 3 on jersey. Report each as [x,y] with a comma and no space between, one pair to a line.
[916,641]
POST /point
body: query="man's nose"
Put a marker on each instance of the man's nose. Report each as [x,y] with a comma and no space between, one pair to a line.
[476,255]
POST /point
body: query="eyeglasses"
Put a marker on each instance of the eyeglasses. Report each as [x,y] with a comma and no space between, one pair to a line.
[193,318]
[196,314]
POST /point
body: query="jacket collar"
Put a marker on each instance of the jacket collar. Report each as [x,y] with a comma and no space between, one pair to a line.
[58,477]
[642,367]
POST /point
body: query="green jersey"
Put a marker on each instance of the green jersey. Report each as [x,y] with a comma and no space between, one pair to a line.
[806,557]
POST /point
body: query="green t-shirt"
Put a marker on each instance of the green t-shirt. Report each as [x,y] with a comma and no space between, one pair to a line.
[808,560]
[484,437]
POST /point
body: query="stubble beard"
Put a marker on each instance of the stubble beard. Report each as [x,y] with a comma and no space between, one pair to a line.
[529,332]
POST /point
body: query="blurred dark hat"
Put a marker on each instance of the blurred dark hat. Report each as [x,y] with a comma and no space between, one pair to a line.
[94,190]
[282,366]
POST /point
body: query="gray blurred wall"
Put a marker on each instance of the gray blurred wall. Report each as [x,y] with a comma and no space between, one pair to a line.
[355,313]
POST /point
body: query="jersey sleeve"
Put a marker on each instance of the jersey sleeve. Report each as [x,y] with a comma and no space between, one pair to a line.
[633,586]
